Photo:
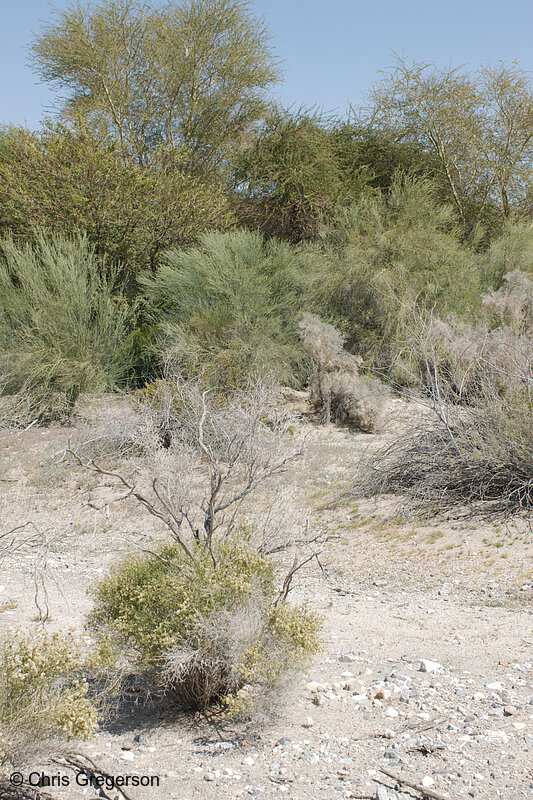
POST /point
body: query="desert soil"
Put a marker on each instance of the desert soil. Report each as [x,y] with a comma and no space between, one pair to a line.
[427,665]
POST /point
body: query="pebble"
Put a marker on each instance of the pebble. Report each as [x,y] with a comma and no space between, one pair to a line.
[391,712]
[127,755]
[427,781]
[429,666]
[249,761]
[209,776]
[308,722]
[510,710]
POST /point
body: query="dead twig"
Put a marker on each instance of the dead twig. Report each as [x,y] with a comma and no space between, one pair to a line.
[416,786]
[83,765]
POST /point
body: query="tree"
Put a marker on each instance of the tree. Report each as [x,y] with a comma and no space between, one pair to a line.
[188,75]
[478,127]
[300,166]
[64,179]
[287,181]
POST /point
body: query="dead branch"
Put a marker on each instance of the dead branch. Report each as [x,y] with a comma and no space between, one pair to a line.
[416,786]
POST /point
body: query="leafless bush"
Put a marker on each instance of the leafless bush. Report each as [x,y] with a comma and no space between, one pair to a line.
[477,452]
[337,390]
[218,449]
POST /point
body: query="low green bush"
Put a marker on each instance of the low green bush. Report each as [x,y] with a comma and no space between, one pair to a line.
[204,627]
[43,696]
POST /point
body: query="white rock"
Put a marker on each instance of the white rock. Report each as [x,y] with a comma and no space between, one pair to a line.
[127,755]
[248,761]
[308,722]
[427,781]
[391,712]
[494,686]
[429,666]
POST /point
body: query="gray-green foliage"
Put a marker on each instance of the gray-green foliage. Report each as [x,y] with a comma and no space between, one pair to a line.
[386,254]
[190,73]
[62,330]
[231,305]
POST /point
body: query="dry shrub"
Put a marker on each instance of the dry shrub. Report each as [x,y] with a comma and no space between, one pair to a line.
[206,625]
[337,391]
[477,449]
[512,303]
[165,608]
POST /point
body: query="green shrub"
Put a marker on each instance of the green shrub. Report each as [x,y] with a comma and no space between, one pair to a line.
[386,253]
[43,696]
[62,329]
[229,306]
[205,626]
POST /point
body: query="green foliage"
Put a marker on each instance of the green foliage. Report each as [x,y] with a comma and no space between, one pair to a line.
[43,695]
[288,180]
[477,127]
[386,254]
[511,250]
[62,329]
[189,74]
[300,166]
[169,609]
[230,307]
[64,180]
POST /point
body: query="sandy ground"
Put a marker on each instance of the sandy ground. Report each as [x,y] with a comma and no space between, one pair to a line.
[427,666]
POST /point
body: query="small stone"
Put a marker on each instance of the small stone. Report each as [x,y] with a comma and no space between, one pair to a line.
[510,710]
[429,666]
[379,582]
[445,589]
[312,687]
[317,700]
[382,694]
[427,781]
[382,793]
[209,776]
[390,754]
[347,657]
[308,722]
[127,755]
[528,739]
[494,686]
[249,761]
[391,712]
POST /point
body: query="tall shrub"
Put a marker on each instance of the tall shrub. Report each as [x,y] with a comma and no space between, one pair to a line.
[62,329]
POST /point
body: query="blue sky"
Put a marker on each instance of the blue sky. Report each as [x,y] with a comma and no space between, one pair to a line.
[331,49]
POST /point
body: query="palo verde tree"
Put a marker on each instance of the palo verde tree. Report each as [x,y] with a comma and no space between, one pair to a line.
[190,74]
[479,127]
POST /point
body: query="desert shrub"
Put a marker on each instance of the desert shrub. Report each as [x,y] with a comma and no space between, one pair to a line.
[63,330]
[205,626]
[43,696]
[230,306]
[476,449]
[511,250]
[337,391]
[385,253]
[167,607]
[512,303]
